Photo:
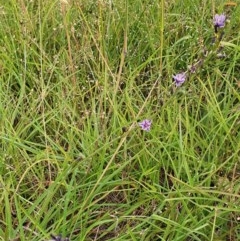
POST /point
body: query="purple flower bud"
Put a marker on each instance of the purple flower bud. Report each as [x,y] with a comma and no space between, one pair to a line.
[219,20]
[145,124]
[179,78]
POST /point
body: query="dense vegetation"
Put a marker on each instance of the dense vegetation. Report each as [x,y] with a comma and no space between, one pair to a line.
[77,78]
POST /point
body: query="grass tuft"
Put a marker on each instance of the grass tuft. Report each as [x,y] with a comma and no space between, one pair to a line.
[76,80]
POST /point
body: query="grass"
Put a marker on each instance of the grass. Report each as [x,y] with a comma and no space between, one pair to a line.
[76,77]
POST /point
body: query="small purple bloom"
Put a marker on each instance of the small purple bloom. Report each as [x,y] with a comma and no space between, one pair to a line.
[219,20]
[145,124]
[179,78]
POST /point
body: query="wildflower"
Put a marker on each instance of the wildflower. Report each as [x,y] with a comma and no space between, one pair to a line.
[219,21]
[179,78]
[145,124]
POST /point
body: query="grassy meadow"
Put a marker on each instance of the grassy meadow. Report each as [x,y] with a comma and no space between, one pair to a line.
[77,78]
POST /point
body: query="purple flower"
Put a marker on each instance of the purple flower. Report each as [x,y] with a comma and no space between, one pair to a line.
[179,78]
[219,20]
[145,124]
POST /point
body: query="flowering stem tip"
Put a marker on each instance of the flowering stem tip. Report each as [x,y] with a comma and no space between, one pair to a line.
[145,124]
[219,21]
[179,78]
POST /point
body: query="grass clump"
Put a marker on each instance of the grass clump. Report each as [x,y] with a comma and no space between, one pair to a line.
[77,78]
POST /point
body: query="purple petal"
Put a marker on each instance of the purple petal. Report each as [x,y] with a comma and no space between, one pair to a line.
[219,20]
[145,124]
[179,78]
